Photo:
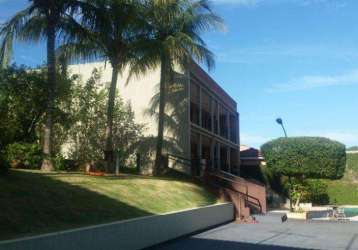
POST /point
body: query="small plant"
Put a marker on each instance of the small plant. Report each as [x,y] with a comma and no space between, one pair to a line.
[24,155]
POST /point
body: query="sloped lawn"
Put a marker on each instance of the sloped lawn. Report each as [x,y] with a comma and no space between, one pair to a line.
[345,191]
[32,202]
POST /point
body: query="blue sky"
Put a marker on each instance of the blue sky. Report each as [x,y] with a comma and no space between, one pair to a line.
[295,59]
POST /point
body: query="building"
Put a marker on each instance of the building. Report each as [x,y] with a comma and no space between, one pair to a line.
[203,121]
[250,156]
[202,127]
[251,162]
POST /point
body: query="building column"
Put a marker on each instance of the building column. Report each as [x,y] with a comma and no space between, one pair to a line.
[200,115]
[212,154]
[200,153]
[228,152]
[212,104]
[218,155]
[228,124]
[238,142]
[218,116]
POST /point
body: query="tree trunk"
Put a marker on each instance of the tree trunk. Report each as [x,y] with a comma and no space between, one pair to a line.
[47,164]
[108,151]
[162,100]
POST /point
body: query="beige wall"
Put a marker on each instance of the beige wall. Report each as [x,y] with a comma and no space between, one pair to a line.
[139,93]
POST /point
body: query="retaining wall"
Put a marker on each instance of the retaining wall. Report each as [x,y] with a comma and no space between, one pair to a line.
[130,234]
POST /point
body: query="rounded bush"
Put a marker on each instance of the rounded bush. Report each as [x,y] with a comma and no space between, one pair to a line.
[309,157]
[24,155]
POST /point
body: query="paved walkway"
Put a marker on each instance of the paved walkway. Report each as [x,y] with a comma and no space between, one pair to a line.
[270,233]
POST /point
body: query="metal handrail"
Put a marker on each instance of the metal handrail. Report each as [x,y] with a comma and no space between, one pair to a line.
[246,194]
[188,162]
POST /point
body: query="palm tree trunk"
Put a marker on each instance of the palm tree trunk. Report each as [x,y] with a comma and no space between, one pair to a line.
[108,151]
[162,100]
[47,164]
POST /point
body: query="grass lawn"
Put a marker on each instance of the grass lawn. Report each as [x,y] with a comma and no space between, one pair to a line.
[342,192]
[32,202]
[345,191]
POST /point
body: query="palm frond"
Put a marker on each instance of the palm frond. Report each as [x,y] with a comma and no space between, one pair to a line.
[77,52]
[9,31]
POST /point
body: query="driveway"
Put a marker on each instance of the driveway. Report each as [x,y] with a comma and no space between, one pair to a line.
[270,233]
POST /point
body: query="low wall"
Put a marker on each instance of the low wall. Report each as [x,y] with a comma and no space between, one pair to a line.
[130,234]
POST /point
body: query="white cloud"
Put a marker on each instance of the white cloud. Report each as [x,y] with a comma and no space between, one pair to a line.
[317,81]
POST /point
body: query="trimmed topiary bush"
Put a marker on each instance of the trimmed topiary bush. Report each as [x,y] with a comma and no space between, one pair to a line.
[24,155]
[306,157]
[302,158]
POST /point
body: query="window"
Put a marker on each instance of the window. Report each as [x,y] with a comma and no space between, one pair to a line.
[194,103]
[216,155]
[206,150]
[224,129]
[216,106]
[234,161]
[206,110]
[233,128]
[224,164]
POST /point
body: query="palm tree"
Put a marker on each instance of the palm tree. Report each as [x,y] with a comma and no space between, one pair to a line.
[110,31]
[175,27]
[43,19]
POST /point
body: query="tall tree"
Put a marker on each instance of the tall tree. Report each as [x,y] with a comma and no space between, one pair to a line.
[111,30]
[48,20]
[175,27]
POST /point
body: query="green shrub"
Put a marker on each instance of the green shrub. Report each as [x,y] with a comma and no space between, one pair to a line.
[318,192]
[59,162]
[352,162]
[311,157]
[313,191]
[24,155]
[4,165]
[62,164]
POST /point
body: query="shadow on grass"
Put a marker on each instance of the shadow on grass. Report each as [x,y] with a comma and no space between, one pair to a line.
[214,244]
[32,203]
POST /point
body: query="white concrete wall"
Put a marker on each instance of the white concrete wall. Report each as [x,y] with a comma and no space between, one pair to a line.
[130,234]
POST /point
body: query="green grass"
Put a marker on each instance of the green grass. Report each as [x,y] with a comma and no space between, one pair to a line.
[32,202]
[345,191]
[352,162]
[342,192]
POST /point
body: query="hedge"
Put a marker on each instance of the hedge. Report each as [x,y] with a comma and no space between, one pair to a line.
[309,157]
